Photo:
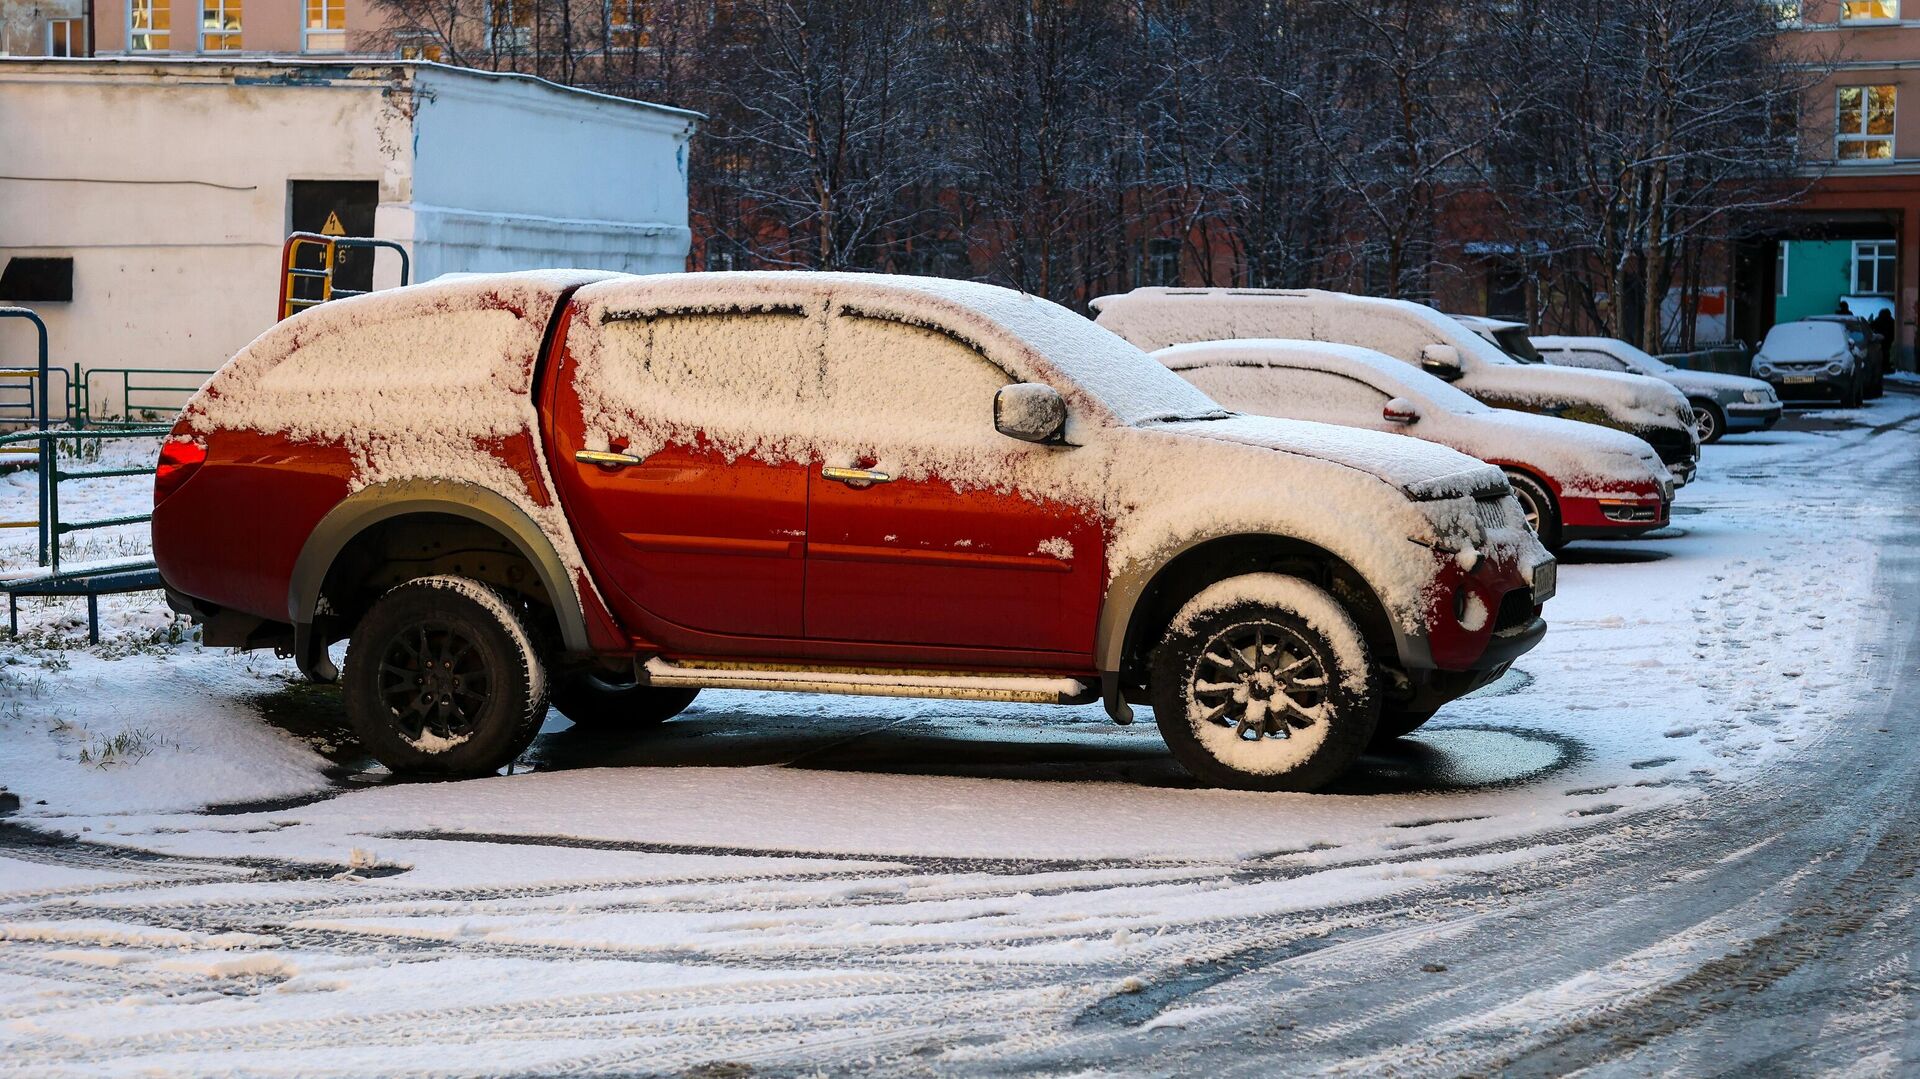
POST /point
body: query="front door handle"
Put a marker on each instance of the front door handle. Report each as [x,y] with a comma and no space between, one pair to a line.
[605,458]
[855,477]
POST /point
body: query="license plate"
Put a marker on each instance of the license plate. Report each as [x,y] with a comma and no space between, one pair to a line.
[1546,580]
[1795,380]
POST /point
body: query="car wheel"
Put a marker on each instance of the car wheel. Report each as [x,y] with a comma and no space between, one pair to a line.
[1397,723]
[1708,421]
[442,678]
[1543,514]
[1263,682]
[596,701]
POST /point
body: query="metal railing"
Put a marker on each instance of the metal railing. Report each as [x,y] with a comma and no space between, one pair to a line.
[293,275]
[146,394]
[44,443]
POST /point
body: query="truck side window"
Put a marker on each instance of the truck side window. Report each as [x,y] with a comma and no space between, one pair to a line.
[888,381]
[697,368]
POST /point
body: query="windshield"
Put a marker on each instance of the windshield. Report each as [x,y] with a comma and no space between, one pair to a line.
[1134,385]
[1514,342]
[1643,362]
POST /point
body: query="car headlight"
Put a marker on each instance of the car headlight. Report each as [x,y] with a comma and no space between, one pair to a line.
[1765,370]
[1758,396]
[1834,369]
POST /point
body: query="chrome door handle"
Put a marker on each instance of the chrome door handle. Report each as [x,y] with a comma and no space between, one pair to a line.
[605,458]
[855,477]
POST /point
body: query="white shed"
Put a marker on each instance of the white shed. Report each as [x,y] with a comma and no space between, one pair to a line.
[157,193]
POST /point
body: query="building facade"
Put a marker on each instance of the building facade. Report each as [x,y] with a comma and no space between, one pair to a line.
[145,240]
[1855,239]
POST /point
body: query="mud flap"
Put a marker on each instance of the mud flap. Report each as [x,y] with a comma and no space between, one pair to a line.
[1117,708]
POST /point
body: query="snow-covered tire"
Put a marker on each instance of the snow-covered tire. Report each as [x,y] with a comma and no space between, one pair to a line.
[1397,723]
[1543,513]
[594,702]
[1263,682]
[1709,423]
[442,678]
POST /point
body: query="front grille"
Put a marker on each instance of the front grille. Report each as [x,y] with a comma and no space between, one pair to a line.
[1673,446]
[1516,610]
[1498,512]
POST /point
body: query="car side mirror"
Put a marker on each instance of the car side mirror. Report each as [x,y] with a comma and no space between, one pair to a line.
[1030,412]
[1441,361]
[1400,410]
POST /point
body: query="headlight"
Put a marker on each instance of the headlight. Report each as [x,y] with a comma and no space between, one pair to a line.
[1765,370]
[1834,369]
[1758,397]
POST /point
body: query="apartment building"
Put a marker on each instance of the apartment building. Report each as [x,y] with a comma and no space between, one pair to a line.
[1856,238]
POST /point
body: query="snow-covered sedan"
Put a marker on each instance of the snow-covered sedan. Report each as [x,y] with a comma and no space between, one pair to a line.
[1414,334]
[1722,404]
[1575,480]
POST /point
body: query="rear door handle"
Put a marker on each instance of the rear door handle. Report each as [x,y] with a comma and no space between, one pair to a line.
[855,477]
[605,458]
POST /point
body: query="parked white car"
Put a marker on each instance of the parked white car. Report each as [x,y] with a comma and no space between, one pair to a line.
[1722,404]
[1154,318]
[1813,358]
[1575,480]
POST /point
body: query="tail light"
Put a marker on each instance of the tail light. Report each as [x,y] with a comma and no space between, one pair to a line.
[179,460]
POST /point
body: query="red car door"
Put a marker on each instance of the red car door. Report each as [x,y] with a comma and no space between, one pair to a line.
[909,541]
[700,546]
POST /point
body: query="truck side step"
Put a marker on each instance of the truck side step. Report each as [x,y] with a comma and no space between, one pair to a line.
[869,682]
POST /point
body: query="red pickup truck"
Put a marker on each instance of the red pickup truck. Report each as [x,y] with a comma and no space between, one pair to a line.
[608,492]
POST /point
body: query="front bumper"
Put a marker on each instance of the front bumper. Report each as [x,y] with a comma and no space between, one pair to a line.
[1613,518]
[1745,416]
[1834,386]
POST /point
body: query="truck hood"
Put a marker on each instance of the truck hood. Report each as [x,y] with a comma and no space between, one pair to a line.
[1422,471]
[1626,401]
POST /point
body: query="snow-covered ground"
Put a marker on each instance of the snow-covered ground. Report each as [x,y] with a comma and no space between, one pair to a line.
[796,881]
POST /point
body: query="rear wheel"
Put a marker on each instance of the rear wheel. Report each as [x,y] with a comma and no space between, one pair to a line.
[442,678]
[597,701]
[1263,682]
[1708,421]
[1543,513]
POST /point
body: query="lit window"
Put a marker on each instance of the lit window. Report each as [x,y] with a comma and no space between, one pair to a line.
[1869,10]
[326,26]
[66,37]
[510,23]
[1863,123]
[627,24]
[1876,267]
[150,26]
[422,47]
[1785,12]
[219,25]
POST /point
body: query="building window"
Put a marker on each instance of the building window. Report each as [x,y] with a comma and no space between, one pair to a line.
[219,25]
[66,37]
[627,24]
[1785,12]
[509,24]
[149,26]
[1869,10]
[1863,123]
[1780,271]
[420,45]
[326,26]
[1876,267]
[1163,262]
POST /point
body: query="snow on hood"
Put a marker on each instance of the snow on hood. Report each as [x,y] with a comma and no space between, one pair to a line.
[1804,342]
[1585,459]
[1154,318]
[1421,470]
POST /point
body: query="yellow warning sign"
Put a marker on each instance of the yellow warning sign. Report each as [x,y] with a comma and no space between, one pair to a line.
[333,227]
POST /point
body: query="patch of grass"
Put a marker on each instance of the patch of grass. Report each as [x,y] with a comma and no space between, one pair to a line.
[130,746]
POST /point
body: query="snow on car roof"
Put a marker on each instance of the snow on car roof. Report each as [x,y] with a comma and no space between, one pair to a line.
[1378,368]
[1032,337]
[1157,317]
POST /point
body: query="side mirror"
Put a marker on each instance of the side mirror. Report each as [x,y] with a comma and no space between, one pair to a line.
[1441,361]
[1030,412]
[1400,410]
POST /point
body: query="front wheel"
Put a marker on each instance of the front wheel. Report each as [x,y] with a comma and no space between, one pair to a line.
[1543,514]
[1708,421]
[442,678]
[1263,682]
